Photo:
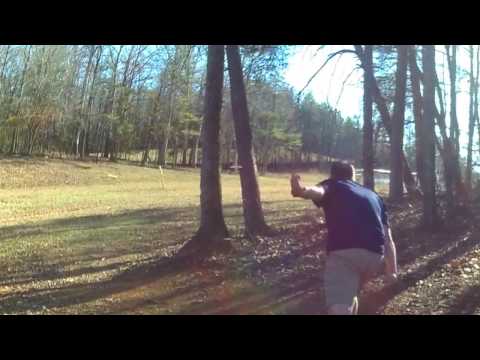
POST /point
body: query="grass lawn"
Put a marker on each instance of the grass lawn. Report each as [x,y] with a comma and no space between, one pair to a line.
[67,222]
[85,238]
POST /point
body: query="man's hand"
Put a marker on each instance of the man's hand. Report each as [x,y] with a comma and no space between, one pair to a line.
[315,193]
[295,185]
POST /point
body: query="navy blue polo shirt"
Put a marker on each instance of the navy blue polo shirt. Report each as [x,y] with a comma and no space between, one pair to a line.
[354,216]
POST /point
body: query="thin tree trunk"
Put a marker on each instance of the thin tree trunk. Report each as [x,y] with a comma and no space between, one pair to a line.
[77,141]
[175,151]
[165,142]
[146,152]
[471,123]
[475,111]
[106,150]
[13,144]
[5,62]
[197,144]
[368,154]
[160,154]
[185,149]
[84,141]
[82,114]
[191,153]
[428,138]
[145,155]
[398,120]
[455,190]
[452,66]
[450,145]
[417,112]
[252,207]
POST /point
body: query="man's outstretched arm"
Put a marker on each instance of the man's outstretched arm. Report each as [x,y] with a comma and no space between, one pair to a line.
[315,193]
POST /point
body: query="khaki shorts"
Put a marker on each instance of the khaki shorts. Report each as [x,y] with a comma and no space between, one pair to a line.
[346,271]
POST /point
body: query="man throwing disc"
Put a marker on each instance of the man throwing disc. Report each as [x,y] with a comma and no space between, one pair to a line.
[359,244]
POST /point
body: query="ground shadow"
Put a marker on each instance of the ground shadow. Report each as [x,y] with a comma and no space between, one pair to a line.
[468,302]
[374,302]
[299,291]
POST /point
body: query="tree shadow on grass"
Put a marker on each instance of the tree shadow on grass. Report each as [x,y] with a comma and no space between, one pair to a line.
[74,294]
[169,269]
[139,217]
[298,292]
[133,217]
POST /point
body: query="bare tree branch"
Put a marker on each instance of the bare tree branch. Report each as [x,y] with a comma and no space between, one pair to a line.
[331,78]
[343,85]
[330,57]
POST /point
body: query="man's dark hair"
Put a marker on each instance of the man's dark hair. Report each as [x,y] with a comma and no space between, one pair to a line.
[341,170]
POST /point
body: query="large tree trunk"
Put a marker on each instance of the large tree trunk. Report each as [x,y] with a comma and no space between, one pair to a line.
[368,154]
[252,207]
[398,120]
[212,229]
[428,138]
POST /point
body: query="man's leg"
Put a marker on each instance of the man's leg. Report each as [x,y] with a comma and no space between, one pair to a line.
[341,286]
[355,306]
[340,309]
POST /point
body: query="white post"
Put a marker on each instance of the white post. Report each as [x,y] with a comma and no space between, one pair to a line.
[161,177]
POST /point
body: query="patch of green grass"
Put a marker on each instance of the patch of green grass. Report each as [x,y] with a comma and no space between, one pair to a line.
[49,221]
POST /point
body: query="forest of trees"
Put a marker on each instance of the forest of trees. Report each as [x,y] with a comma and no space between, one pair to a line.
[145,103]
[422,80]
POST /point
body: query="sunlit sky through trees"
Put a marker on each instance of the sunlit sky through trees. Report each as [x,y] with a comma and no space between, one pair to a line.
[342,88]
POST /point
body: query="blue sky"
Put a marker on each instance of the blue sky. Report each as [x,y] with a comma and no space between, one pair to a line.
[327,86]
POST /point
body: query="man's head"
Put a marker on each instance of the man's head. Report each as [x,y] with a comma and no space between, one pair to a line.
[341,170]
